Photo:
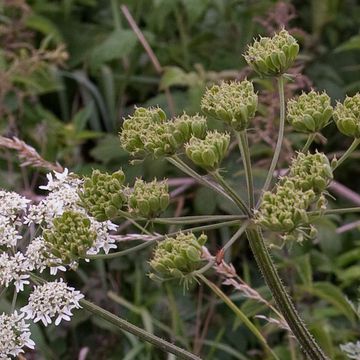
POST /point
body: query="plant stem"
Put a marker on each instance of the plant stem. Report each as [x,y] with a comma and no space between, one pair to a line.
[13,302]
[140,333]
[275,158]
[245,154]
[158,238]
[282,298]
[235,236]
[175,160]
[309,141]
[196,219]
[232,193]
[237,311]
[334,211]
[348,152]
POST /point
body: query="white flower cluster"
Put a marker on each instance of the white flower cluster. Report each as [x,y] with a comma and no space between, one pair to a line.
[52,299]
[15,335]
[19,220]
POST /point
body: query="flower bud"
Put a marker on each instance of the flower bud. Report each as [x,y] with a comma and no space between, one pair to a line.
[285,210]
[347,116]
[235,103]
[177,257]
[147,133]
[272,56]
[102,194]
[70,237]
[311,171]
[209,152]
[149,199]
[310,112]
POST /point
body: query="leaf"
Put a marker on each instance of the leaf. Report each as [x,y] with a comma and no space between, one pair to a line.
[175,76]
[303,266]
[81,118]
[348,257]
[352,44]
[118,44]
[108,149]
[195,9]
[329,240]
[350,274]
[205,201]
[333,295]
[45,26]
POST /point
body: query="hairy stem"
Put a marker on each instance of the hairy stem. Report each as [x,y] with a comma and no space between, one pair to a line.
[275,158]
[245,154]
[237,312]
[334,211]
[282,298]
[348,152]
[232,193]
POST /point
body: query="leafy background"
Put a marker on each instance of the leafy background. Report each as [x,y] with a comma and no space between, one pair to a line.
[70,70]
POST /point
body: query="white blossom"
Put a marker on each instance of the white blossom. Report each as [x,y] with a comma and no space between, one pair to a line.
[11,204]
[15,335]
[14,269]
[352,350]
[39,258]
[9,235]
[103,240]
[50,300]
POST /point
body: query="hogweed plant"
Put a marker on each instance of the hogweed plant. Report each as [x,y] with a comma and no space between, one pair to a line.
[77,220]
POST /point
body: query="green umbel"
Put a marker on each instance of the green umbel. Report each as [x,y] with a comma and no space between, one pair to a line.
[347,116]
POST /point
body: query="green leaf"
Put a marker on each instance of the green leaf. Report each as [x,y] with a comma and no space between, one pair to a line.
[303,266]
[333,295]
[45,26]
[175,76]
[117,45]
[352,44]
[329,240]
[205,201]
[108,149]
[81,118]
[349,275]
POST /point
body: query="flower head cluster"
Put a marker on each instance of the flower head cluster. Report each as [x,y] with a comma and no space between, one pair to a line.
[209,152]
[310,112]
[347,116]
[235,103]
[52,300]
[14,270]
[71,237]
[272,56]
[149,199]
[311,171]
[102,194]
[15,335]
[178,257]
[149,132]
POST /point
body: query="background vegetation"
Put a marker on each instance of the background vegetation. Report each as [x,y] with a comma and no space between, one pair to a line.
[70,70]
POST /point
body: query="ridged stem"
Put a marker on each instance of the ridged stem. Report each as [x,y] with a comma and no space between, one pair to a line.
[348,152]
[308,143]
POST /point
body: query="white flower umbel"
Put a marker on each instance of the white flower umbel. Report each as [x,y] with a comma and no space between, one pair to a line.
[14,269]
[15,335]
[103,239]
[39,258]
[9,235]
[52,300]
[11,204]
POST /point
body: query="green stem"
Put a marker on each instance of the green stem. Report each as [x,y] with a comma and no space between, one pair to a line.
[334,211]
[196,219]
[140,333]
[282,298]
[159,238]
[175,160]
[232,193]
[309,141]
[13,302]
[348,152]
[235,236]
[237,311]
[245,154]
[276,156]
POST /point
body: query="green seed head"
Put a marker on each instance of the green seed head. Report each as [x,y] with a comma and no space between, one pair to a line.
[147,133]
[310,112]
[285,209]
[234,103]
[272,56]
[103,195]
[149,199]
[347,116]
[184,127]
[177,257]
[209,152]
[70,237]
[311,171]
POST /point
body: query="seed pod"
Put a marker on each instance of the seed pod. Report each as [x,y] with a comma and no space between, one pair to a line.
[185,127]
[70,237]
[235,103]
[149,199]
[272,56]
[310,112]
[311,171]
[177,257]
[347,116]
[209,152]
[102,195]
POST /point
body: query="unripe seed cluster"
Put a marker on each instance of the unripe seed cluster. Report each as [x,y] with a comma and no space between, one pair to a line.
[103,195]
[347,116]
[235,103]
[178,257]
[310,112]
